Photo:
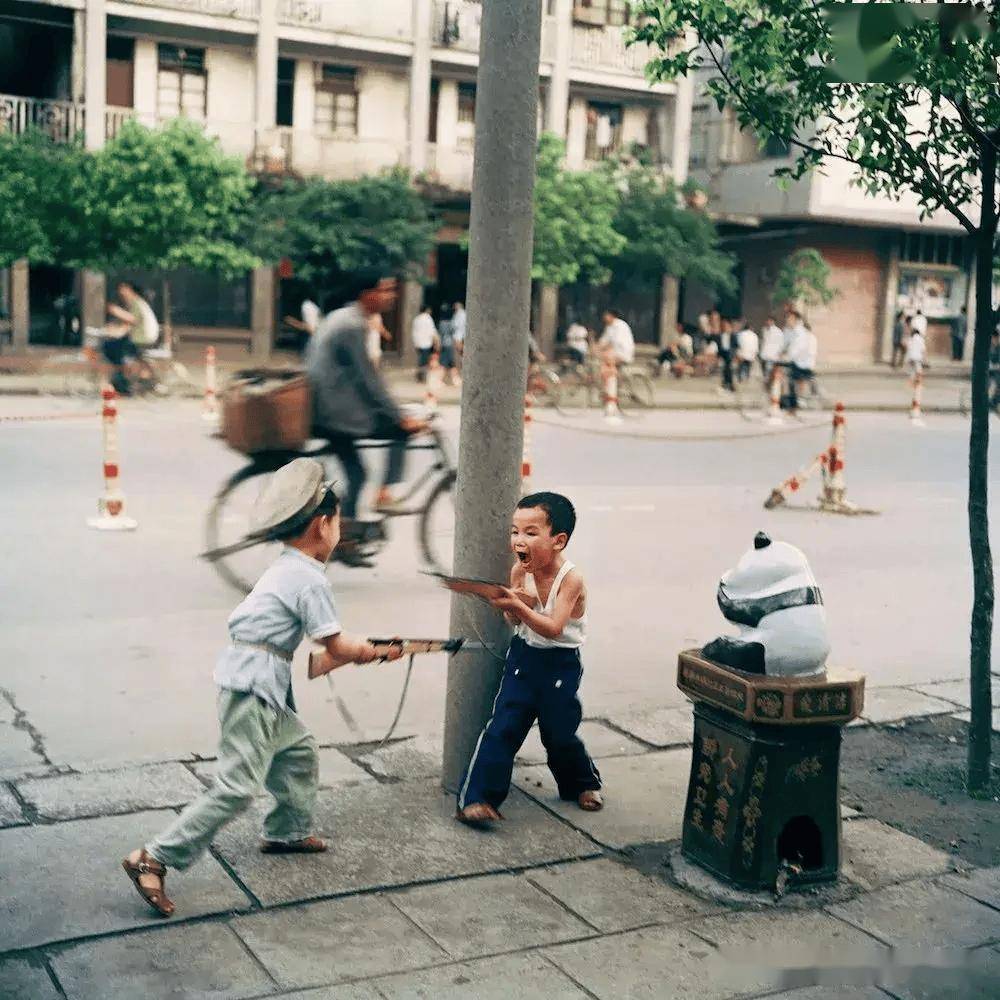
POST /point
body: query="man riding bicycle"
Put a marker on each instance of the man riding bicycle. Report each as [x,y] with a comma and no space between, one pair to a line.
[351,401]
[123,342]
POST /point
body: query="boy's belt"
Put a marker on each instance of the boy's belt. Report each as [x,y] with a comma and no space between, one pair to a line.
[264,647]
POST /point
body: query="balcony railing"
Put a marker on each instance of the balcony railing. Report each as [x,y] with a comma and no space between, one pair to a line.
[457,24]
[603,48]
[247,10]
[61,121]
[388,19]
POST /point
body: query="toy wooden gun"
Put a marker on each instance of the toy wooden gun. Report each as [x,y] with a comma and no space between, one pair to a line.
[487,590]
[410,647]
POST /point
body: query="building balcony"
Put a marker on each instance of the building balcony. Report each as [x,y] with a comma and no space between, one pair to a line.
[457,24]
[61,121]
[244,10]
[602,49]
[306,153]
[384,19]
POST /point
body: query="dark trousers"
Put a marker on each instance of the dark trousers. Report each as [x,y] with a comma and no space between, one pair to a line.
[898,353]
[423,359]
[796,376]
[537,684]
[727,369]
[957,348]
[345,447]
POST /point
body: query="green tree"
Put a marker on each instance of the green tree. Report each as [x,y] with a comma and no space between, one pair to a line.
[42,189]
[575,236]
[907,93]
[331,228]
[803,280]
[664,237]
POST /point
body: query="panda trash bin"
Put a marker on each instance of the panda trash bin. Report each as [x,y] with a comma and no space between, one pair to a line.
[763,795]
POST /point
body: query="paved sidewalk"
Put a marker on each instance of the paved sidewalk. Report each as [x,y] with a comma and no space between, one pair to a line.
[874,388]
[556,903]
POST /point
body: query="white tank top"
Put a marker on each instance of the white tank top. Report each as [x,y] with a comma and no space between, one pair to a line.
[572,635]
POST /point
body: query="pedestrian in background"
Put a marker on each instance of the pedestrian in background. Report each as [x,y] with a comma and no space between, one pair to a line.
[617,340]
[916,352]
[458,319]
[726,339]
[958,334]
[802,354]
[446,335]
[376,334]
[772,342]
[900,331]
[747,346]
[424,335]
[577,342]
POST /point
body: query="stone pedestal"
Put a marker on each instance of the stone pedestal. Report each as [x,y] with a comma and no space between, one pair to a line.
[764,787]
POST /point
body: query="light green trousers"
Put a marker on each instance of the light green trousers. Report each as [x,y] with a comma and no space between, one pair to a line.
[258,747]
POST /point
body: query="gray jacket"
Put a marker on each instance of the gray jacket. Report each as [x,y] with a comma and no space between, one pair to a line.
[349,396]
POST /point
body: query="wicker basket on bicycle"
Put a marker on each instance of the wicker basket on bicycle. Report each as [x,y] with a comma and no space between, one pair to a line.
[266,409]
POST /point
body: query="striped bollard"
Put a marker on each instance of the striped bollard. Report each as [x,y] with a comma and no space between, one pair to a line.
[433,384]
[529,403]
[835,493]
[210,409]
[774,412]
[112,505]
[794,483]
[612,412]
[916,417]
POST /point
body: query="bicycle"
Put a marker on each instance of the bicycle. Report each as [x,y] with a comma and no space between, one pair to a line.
[583,386]
[239,557]
[545,385]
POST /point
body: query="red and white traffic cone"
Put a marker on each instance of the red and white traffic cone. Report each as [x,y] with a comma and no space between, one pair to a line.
[433,384]
[794,483]
[916,416]
[774,411]
[210,409]
[112,505]
[529,403]
[612,412]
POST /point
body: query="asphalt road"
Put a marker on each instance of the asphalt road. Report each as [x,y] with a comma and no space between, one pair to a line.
[108,641]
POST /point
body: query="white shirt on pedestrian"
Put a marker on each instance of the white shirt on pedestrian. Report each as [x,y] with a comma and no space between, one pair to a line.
[772,341]
[747,344]
[423,332]
[458,321]
[804,349]
[576,337]
[918,324]
[916,349]
[618,336]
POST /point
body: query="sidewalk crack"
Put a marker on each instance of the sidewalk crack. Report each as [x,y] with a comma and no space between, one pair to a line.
[21,722]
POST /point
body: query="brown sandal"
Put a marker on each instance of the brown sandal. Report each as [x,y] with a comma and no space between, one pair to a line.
[157,898]
[308,845]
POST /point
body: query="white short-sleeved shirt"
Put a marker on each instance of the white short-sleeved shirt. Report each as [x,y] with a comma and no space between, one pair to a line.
[918,324]
[291,600]
[747,343]
[773,342]
[618,336]
[423,331]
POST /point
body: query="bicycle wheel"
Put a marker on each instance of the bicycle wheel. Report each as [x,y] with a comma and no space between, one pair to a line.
[547,389]
[228,522]
[573,394]
[437,526]
[637,389]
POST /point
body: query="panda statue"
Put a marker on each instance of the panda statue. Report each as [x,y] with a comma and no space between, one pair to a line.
[771,594]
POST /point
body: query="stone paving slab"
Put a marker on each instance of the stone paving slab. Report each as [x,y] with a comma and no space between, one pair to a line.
[973,976]
[601,741]
[643,798]
[352,991]
[105,793]
[510,977]
[16,755]
[614,897]
[660,727]
[330,942]
[777,944]
[982,884]
[419,757]
[653,964]
[921,915]
[954,691]
[488,915]
[37,863]
[876,855]
[20,980]
[893,704]
[10,809]
[207,962]
[335,768]
[394,834]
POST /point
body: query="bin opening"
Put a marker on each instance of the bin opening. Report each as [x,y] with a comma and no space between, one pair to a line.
[801,843]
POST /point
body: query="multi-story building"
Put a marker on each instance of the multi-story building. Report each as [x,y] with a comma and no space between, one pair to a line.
[337,88]
[883,256]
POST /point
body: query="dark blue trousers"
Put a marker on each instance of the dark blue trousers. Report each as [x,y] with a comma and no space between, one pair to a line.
[537,684]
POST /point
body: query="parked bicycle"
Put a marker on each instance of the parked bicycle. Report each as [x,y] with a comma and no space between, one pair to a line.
[239,557]
[582,385]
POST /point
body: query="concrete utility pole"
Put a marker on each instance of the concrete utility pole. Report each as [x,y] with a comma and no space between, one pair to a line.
[496,354]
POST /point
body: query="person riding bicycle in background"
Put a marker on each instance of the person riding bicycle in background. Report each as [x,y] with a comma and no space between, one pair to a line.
[617,342]
[124,341]
[350,399]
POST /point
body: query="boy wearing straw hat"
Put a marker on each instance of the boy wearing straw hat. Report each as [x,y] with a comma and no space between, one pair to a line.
[263,742]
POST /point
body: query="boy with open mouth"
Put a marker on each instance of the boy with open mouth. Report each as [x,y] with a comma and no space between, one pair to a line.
[546,602]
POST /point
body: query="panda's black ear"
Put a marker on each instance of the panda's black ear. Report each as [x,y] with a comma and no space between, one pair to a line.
[761,541]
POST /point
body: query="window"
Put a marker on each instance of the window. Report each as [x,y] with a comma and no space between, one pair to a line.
[466,132]
[181,84]
[700,114]
[932,248]
[604,130]
[776,148]
[614,13]
[337,102]
[286,92]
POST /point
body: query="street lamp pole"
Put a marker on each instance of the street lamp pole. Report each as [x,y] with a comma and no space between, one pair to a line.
[496,354]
